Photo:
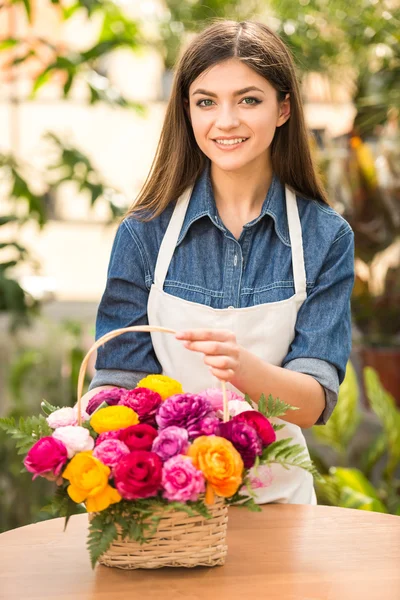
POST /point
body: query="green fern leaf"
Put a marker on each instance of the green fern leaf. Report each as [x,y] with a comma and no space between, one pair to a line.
[101,536]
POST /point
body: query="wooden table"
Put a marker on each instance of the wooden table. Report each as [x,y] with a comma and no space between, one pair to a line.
[287,552]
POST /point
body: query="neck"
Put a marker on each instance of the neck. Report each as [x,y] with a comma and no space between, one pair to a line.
[242,191]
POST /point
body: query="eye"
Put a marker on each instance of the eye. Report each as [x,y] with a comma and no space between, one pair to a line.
[200,102]
[251,101]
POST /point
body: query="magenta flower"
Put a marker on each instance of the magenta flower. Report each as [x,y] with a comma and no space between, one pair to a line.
[206,426]
[171,441]
[185,410]
[244,438]
[138,437]
[112,396]
[48,455]
[138,475]
[258,422]
[110,452]
[144,402]
[107,435]
[181,480]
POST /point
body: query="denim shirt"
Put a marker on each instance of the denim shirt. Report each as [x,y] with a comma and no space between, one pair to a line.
[202,271]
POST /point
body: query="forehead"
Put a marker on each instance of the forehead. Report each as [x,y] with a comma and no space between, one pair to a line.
[230,75]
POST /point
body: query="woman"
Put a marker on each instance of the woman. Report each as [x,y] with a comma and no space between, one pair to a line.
[232,244]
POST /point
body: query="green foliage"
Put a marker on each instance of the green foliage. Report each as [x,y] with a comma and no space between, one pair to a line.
[273,407]
[27,432]
[362,485]
[288,455]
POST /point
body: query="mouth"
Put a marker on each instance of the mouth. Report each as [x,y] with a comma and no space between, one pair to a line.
[229,144]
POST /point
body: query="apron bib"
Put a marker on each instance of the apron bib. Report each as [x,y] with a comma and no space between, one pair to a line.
[266,330]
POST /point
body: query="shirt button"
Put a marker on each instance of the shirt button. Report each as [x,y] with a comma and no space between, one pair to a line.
[235,260]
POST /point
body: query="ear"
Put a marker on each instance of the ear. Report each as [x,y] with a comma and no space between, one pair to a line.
[284,111]
[186,106]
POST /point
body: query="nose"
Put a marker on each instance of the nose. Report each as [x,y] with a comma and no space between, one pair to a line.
[227,119]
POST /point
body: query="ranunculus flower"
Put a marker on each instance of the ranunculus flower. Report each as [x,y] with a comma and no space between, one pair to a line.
[184,410]
[138,437]
[107,435]
[260,423]
[181,480]
[138,475]
[110,452]
[238,406]
[112,418]
[171,441]
[162,384]
[65,416]
[220,463]
[112,396]
[260,477]
[76,439]
[144,402]
[244,438]
[88,479]
[205,426]
[48,455]
[214,396]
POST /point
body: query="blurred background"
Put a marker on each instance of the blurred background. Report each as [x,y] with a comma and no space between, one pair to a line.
[83,92]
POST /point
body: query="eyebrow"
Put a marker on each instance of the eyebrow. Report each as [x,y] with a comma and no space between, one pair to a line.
[251,88]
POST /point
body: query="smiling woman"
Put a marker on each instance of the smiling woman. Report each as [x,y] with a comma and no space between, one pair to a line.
[232,244]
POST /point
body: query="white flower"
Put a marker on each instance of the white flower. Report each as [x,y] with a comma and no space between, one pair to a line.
[76,439]
[65,416]
[238,406]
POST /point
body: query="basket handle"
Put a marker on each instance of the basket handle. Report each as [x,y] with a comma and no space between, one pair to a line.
[113,334]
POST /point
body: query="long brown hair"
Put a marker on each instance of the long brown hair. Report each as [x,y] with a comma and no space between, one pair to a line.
[179,161]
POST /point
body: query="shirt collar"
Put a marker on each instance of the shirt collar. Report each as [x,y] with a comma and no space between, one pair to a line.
[202,204]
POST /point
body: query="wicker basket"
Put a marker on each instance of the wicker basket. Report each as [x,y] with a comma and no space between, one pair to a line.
[180,540]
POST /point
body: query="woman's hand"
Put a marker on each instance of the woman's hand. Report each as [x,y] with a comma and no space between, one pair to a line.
[221,351]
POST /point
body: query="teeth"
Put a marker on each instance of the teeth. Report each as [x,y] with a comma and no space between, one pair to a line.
[230,142]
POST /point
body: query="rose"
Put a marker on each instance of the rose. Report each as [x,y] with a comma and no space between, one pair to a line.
[138,475]
[48,455]
[260,423]
[65,416]
[110,452]
[181,480]
[89,482]
[75,439]
[171,441]
[215,397]
[163,385]
[138,437]
[112,418]
[111,396]
[144,402]
[184,410]
[244,438]
[220,463]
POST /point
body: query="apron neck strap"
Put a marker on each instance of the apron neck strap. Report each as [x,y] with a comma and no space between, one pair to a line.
[296,242]
[171,236]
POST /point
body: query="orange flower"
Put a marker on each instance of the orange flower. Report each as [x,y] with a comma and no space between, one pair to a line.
[220,463]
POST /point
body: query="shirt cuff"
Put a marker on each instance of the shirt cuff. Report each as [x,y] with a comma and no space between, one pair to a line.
[326,374]
[122,379]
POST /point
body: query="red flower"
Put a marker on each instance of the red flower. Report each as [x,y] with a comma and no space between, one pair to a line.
[138,437]
[260,423]
[138,475]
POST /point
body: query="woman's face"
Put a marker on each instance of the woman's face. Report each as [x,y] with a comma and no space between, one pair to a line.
[234,113]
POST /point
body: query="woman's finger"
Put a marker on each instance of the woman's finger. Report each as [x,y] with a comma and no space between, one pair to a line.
[204,335]
[224,375]
[220,362]
[214,348]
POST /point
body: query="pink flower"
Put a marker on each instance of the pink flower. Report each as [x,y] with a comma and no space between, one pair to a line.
[214,396]
[75,439]
[65,416]
[108,435]
[144,402]
[171,441]
[260,477]
[260,423]
[181,480]
[138,437]
[244,438]
[138,475]
[110,452]
[111,396]
[48,455]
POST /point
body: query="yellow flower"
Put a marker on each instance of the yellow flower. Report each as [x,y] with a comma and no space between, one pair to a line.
[112,418]
[88,479]
[220,463]
[162,384]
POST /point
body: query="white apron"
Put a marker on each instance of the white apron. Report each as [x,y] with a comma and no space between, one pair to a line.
[266,330]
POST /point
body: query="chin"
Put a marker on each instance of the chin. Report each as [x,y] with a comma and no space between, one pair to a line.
[230,164]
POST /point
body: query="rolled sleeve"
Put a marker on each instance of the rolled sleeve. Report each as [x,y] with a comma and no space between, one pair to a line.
[326,374]
[124,304]
[323,325]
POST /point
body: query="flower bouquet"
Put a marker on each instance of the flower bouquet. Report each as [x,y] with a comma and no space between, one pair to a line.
[157,466]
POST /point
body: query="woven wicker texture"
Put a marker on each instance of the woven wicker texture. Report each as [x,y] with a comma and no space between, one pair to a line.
[180,541]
